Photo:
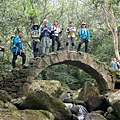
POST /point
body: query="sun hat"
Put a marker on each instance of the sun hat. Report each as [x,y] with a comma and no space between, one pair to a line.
[35,24]
[83,23]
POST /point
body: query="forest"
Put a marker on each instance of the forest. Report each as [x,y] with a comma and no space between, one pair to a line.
[102,18]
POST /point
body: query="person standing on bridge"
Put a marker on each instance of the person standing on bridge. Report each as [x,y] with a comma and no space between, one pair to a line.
[45,33]
[35,39]
[18,49]
[70,35]
[55,32]
[84,33]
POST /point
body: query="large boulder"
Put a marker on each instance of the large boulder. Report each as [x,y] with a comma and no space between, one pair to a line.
[94,116]
[113,96]
[114,100]
[26,115]
[92,98]
[39,100]
[4,96]
[111,114]
[111,117]
[66,89]
[7,106]
[52,87]
[17,101]
[10,106]
[116,106]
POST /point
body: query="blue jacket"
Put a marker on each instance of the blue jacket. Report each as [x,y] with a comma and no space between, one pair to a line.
[18,45]
[46,33]
[114,65]
[84,34]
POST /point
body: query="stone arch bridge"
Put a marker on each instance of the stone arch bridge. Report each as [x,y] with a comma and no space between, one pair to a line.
[17,82]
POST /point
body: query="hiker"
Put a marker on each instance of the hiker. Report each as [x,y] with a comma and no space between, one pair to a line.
[45,32]
[114,64]
[70,35]
[18,49]
[55,31]
[84,33]
[35,34]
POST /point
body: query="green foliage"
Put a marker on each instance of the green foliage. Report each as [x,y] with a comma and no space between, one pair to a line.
[31,13]
[98,3]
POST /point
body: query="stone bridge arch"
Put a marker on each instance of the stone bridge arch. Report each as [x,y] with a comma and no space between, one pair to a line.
[84,61]
[17,83]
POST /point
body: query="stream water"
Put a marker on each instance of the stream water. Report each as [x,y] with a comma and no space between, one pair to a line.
[80,109]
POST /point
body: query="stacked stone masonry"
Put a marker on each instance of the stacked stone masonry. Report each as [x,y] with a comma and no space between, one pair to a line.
[17,82]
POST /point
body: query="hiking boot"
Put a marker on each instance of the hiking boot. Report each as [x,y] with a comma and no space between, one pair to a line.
[16,68]
[79,52]
[25,66]
[37,57]
[72,51]
[52,53]
[43,55]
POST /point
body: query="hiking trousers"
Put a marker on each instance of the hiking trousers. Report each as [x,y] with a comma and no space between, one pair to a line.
[22,54]
[46,45]
[72,40]
[35,45]
[86,45]
[56,38]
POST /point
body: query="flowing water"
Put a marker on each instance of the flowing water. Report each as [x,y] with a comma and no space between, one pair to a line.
[82,111]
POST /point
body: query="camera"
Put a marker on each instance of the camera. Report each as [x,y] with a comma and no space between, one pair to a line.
[68,29]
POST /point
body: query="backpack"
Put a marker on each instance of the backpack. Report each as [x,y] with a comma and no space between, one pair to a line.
[118,65]
[12,38]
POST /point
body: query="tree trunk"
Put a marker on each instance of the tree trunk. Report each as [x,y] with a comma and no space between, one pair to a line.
[109,14]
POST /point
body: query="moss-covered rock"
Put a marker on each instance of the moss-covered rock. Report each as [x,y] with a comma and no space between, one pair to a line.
[52,87]
[92,98]
[10,106]
[77,102]
[113,96]
[114,100]
[17,101]
[116,106]
[1,104]
[95,116]
[7,106]
[4,96]
[40,100]
[112,117]
[26,115]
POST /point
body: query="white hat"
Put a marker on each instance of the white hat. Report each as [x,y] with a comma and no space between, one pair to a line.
[45,20]
[83,23]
